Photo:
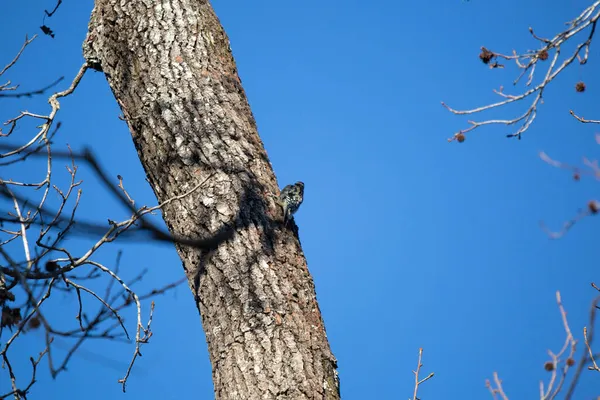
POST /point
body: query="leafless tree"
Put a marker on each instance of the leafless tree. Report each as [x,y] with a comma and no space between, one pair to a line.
[527,63]
[172,73]
[579,33]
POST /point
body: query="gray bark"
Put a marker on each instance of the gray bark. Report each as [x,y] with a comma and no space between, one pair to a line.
[171,70]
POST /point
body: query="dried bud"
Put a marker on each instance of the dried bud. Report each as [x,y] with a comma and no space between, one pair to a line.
[543,55]
[576,176]
[34,323]
[570,362]
[593,206]
[460,137]
[580,87]
[485,55]
[51,266]
[549,366]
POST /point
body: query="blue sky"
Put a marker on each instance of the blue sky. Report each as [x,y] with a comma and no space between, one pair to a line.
[412,241]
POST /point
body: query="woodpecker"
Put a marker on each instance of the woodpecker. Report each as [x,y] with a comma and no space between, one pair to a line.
[290,198]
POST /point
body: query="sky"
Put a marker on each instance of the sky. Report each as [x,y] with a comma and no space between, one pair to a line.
[412,241]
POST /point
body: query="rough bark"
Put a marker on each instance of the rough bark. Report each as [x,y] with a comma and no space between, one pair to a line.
[171,70]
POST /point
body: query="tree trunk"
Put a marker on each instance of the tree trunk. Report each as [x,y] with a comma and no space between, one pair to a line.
[171,70]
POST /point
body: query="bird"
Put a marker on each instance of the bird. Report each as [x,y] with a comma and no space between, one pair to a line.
[290,198]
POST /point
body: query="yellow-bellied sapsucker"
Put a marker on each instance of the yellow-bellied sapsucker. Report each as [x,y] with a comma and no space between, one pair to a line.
[290,198]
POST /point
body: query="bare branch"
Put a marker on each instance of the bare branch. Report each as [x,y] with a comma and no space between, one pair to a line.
[527,62]
[587,346]
[100,299]
[22,393]
[497,391]
[31,278]
[558,365]
[583,120]
[139,340]
[592,207]
[14,60]
[584,357]
[417,381]
[570,343]
[120,178]
[31,92]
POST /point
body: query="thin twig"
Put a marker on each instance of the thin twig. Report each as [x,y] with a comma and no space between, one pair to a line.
[584,357]
[417,381]
[587,345]
[14,60]
[583,120]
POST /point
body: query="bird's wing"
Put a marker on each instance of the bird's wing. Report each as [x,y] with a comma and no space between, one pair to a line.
[285,191]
